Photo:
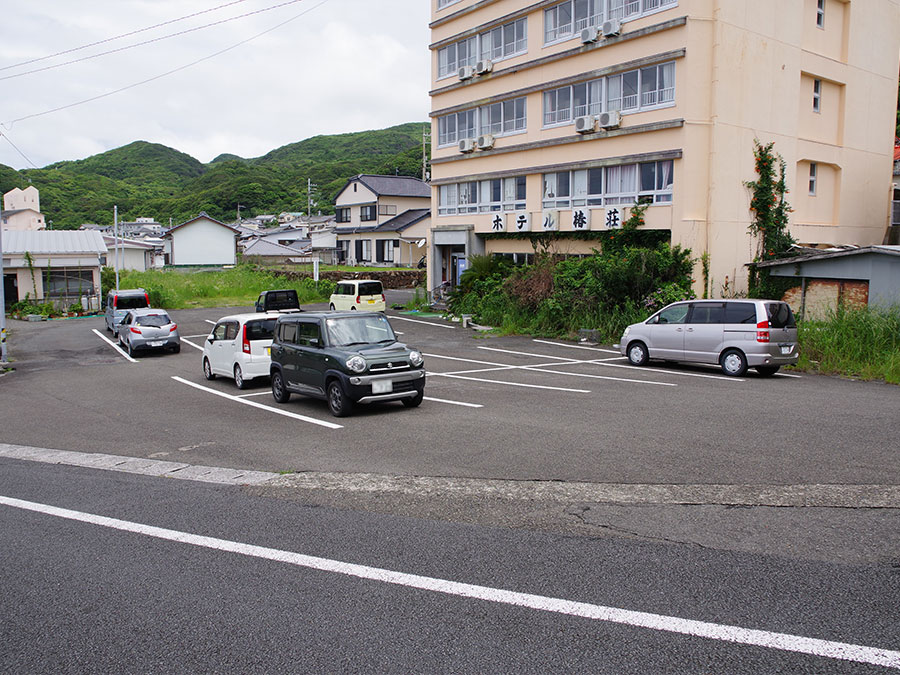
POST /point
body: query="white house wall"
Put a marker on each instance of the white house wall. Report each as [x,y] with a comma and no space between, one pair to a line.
[203,243]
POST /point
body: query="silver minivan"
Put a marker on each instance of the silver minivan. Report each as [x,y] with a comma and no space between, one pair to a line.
[735,334]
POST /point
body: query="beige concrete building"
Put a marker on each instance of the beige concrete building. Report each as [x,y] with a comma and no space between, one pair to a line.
[554,116]
[22,210]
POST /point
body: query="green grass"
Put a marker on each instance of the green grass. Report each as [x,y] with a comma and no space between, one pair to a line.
[240,286]
[863,344]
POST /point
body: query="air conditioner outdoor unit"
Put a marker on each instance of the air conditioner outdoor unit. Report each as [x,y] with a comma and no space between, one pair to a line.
[466,73]
[609,120]
[611,28]
[467,145]
[485,142]
[585,124]
[484,67]
[589,34]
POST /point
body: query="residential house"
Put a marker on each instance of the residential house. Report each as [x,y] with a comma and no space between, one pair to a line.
[554,117]
[130,254]
[380,220]
[266,252]
[22,210]
[202,241]
[61,266]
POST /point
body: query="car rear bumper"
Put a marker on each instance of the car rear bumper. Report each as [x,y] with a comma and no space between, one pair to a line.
[155,343]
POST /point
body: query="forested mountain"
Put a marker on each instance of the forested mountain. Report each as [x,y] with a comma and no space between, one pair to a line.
[152,180]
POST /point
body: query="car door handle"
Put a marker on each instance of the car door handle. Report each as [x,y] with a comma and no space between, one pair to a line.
[689,330]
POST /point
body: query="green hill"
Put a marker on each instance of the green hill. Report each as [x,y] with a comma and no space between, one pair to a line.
[152,180]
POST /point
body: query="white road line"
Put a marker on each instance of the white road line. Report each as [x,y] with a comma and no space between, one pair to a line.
[443,400]
[204,335]
[843,651]
[510,384]
[603,362]
[208,321]
[457,358]
[277,411]
[427,323]
[563,344]
[188,342]
[114,345]
[255,393]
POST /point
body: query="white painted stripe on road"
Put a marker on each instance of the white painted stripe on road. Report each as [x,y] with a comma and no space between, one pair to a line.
[563,344]
[203,335]
[510,384]
[427,323]
[443,400]
[277,411]
[843,651]
[188,342]
[114,345]
[256,393]
[209,321]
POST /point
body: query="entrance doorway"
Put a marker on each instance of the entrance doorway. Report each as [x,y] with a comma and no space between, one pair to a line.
[10,289]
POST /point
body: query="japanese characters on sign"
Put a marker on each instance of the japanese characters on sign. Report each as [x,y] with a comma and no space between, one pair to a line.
[550,221]
[497,223]
[613,217]
[581,219]
[522,221]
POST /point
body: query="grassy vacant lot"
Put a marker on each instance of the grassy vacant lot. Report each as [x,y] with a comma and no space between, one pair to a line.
[240,286]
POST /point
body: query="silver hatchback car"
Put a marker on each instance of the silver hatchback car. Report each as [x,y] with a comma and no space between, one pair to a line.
[735,334]
[148,329]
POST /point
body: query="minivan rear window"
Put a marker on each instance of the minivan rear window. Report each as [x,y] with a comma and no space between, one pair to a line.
[740,312]
[131,301]
[371,288]
[780,315]
[261,329]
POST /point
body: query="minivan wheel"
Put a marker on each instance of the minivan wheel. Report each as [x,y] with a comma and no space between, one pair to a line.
[637,354]
[338,403]
[767,371]
[207,370]
[733,363]
[239,381]
[331,306]
[279,392]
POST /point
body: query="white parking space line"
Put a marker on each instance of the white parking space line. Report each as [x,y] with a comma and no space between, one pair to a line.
[510,384]
[209,321]
[255,393]
[277,411]
[443,400]
[842,651]
[113,344]
[188,342]
[604,362]
[427,323]
[563,344]
[196,336]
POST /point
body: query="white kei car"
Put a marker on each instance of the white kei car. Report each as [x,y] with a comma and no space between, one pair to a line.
[238,347]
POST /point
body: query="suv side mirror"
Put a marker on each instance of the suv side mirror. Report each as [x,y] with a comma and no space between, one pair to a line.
[315,342]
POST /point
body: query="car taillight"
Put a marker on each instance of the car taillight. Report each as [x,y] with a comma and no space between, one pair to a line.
[146,295]
[245,343]
[174,327]
[382,297]
[357,300]
[135,330]
[762,331]
[115,301]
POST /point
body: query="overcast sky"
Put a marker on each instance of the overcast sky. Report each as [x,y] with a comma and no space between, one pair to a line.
[339,66]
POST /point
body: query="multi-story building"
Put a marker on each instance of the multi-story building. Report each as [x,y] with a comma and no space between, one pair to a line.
[556,115]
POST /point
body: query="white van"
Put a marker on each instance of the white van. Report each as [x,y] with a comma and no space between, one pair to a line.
[238,347]
[735,334]
[358,294]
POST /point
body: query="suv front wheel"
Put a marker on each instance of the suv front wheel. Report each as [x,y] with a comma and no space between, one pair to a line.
[338,402]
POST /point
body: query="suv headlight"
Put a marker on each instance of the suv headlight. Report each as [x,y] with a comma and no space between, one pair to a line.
[356,363]
[416,358]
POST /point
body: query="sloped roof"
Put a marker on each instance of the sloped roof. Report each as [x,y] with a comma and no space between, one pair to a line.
[263,247]
[404,220]
[125,243]
[53,242]
[882,249]
[392,186]
[202,215]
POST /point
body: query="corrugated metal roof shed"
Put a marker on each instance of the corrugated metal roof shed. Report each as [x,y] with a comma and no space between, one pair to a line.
[53,242]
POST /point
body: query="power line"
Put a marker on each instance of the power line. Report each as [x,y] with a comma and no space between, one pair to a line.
[165,74]
[151,41]
[9,140]
[119,37]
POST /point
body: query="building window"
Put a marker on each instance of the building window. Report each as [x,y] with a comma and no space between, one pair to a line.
[498,194]
[646,183]
[452,57]
[367,213]
[817,95]
[444,3]
[507,117]
[820,13]
[342,215]
[384,249]
[387,210]
[569,18]
[631,91]
[504,41]
[363,250]
[813,174]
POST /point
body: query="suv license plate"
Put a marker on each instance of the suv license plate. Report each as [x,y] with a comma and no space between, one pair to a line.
[786,349]
[382,387]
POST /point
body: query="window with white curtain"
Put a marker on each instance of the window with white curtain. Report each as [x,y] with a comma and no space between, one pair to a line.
[506,117]
[567,19]
[647,182]
[497,194]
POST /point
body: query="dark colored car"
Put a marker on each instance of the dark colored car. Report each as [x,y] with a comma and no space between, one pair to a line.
[278,301]
[345,358]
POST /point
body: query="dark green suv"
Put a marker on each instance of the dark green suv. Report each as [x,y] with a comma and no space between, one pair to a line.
[345,358]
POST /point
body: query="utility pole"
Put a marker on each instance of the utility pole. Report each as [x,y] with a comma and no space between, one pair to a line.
[426,141]
[116,240]
[309,200]
[3,359]
[239,213]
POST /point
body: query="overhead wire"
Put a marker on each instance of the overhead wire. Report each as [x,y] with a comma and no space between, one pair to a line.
[8,124]
[151,41]
[16,148]
[119,37]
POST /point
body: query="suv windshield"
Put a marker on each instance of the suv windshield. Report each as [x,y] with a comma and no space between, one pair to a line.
[780,315]
[261,329]
[153,320]
[352,330]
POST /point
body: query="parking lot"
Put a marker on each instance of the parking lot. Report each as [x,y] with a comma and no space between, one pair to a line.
[495,407]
